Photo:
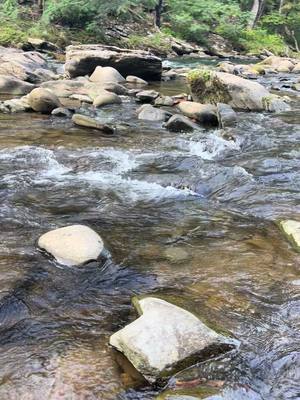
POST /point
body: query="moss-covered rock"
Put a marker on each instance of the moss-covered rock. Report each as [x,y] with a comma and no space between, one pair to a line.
[241,94]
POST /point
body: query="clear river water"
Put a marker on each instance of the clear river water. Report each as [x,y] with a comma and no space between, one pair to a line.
[189,217]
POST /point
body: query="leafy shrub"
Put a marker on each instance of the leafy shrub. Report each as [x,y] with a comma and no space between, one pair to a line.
[256,40]
[11,34]
[159,42]
[70,13]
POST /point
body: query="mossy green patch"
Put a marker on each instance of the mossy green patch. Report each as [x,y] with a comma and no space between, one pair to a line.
[206,87]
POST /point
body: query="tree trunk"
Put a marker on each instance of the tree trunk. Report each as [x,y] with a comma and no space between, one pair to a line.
[256,12]
[158,11]
[40,4]
[280,6]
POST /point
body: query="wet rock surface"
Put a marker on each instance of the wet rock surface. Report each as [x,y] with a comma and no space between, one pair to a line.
[179,123]
[165,335]
[203,113]
[188,215]
[89,122]
[72,245]
[149,113]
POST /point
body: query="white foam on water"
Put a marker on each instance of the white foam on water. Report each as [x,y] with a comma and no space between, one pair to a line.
[131,188]
[212,147]
[110,173]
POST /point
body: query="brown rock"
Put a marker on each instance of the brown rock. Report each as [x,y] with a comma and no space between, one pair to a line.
[42,100]
[82,60]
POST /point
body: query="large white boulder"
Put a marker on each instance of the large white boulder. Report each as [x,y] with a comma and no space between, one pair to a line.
[163,336]
[105,75]
[72,245]
[292,230]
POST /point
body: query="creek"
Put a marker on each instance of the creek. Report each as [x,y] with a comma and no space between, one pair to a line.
[190,217]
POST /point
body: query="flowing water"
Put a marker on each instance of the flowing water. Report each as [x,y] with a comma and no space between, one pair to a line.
[190,217]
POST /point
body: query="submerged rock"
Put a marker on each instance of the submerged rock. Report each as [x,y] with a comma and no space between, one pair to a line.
[147,96]
[201,393]
[239,93]
[166,101]
[12,85]
[150,113]
[62,112]
[204,113]
[165,336]
[72,245]
[43,100]
[83,59]
[292,230]
[179,123]
[88,122]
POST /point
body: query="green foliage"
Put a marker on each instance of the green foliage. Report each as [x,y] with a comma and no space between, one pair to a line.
[9,9]
[63,21]
[159,42]
[256,40]
[194,19]
[70,13]
[11,34]
[195,74]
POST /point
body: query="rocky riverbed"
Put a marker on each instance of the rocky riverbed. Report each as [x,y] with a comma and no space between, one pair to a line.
[183,201]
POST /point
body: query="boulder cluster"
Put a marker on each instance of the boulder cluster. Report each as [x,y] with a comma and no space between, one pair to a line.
[97,76]
[165,338]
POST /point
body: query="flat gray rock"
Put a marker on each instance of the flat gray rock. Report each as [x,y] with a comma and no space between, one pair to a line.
[163,336]
[150,113]
[92,123]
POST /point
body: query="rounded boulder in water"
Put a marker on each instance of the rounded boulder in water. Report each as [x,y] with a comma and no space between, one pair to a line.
[106,74]
[43,100]
[72,245]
